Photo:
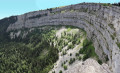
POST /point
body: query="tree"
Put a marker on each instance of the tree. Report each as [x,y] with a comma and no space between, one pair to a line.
[60,71]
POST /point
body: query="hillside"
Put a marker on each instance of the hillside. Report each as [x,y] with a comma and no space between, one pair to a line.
[35,50]
[28,32]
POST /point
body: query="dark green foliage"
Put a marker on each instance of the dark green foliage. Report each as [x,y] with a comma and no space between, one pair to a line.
[85,57]
[113,37]
[74,42]
[16,53]
[118,44]
[79,58]
[33,54]
[65,67]
[88,49]
[70,46]
[53,72]
[64,53]
[70,54]
[106,4]
[38,16]
[4,23]
[50,10]
[107,59]
[116,4]
[60,71]
[111,26]
[71,60]
[77,54]
[62,64]
[100,62]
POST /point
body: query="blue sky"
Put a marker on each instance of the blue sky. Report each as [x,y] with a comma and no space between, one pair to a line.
[17,7]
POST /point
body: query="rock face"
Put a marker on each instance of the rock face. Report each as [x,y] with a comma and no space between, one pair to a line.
[89,66]
[102,24]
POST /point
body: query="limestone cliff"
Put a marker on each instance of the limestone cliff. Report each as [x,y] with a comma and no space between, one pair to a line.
[102,24]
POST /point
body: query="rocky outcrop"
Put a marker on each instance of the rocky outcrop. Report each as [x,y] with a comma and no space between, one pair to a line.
[89,66]
[4,23]
[102,24]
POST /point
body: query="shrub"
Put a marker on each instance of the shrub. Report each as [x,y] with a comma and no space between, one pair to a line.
[111,26]
[77,54]
[71,60]
[60,71]
[85,57]
[88,49]
[53,72]
[112,37]
[78,41]
[64,53]
[99,61]
[107,4]
[79,57]
[70,54]
[60,49]
[107,59]
[81,51]
[118,44]
[74,42]
[65,67]
[116,4]
[70,46]
[62,64]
